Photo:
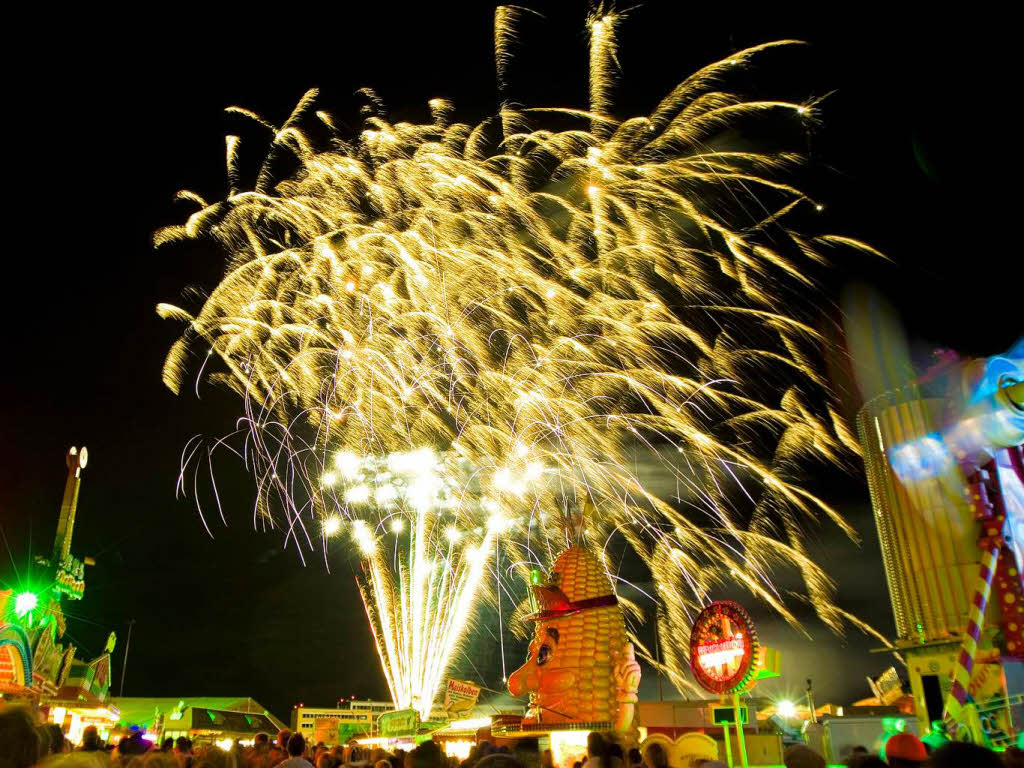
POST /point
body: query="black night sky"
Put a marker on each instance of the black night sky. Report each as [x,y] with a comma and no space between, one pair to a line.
[109,115]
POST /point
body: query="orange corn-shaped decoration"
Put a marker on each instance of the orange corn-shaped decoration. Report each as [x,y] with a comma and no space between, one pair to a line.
[579,667]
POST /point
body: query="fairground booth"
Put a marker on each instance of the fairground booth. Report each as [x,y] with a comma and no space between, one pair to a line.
[220,720]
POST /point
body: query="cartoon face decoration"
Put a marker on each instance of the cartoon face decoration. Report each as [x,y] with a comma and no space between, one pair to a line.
[546,670]
[580,666]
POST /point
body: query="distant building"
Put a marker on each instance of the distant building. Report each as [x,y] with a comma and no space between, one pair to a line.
[336,725]
[374,707]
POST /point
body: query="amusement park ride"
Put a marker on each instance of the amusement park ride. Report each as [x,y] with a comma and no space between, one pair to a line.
[34,666]
[944,456]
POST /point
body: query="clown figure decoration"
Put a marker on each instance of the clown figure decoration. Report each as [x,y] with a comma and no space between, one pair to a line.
[581,667]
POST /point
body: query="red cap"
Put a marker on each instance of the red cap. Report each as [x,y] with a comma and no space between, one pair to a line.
[905,746]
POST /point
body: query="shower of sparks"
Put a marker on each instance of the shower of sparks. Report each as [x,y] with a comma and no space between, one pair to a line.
[427,507]
[546,297]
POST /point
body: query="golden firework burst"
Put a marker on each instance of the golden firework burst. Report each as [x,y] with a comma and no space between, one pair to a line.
[541,296]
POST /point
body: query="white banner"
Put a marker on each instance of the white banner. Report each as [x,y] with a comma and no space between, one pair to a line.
[460,696]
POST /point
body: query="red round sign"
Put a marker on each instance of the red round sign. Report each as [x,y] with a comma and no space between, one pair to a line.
[723,647]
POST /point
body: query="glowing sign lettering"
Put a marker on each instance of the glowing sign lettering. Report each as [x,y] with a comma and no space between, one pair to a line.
[725,652]
[723,647]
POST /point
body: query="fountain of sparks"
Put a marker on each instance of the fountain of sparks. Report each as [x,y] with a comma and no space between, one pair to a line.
[424,534]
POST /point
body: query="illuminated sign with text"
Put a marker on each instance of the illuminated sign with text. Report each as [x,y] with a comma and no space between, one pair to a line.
[723,647]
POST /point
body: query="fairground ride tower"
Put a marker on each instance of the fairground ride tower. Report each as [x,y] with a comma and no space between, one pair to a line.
[945,468]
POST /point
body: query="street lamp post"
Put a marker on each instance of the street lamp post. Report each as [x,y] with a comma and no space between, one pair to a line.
[124,664]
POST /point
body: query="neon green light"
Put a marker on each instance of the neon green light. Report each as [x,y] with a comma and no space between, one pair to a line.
[893,724]
[25,602]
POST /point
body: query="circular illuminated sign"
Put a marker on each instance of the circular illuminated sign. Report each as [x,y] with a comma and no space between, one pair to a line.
[723,647]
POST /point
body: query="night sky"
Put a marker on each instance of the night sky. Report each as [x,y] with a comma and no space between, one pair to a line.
[107,117]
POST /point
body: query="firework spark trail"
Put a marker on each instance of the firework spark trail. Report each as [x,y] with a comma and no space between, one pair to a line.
[533,303]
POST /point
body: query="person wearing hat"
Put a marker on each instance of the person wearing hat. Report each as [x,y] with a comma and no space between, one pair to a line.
[905,750]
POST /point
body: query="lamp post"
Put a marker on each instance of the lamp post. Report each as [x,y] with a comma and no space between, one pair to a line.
[124,664]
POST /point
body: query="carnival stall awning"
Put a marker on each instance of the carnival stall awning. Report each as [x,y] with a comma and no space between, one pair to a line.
[234,714]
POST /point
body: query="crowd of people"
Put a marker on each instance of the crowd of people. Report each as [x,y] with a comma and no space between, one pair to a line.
[24,743]
[905,750]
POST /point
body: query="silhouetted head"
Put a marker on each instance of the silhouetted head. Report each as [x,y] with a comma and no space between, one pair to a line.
[296,744]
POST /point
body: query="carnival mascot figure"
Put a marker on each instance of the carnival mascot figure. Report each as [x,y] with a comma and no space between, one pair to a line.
[581,666]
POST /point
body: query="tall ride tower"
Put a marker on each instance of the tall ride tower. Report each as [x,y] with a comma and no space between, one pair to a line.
[945,469]
[69,571]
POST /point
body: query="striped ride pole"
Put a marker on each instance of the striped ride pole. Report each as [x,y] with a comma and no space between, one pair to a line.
[952,712]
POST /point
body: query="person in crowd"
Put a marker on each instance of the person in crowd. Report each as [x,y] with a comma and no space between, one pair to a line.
[296,753]
[428,755]
[598,752]
[865,760]
[958,754]
[237,754]
[527,753]
[183,752]
[1013,757]
[854,757]
[547,760]
[120,757]
[47,748]
[94,749]
[212,757]
[655,756]
[499,759]
[129,749]
[59,743]
[20,745]
[160,758]
[379,764]
[91,740]
[905,750]
[802,756]
[635,760]
[279,752]
[259,756]
[167,745]
[80,759]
